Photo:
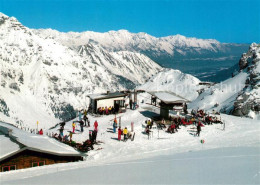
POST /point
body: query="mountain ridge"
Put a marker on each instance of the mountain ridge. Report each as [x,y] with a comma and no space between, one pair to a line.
[176,51]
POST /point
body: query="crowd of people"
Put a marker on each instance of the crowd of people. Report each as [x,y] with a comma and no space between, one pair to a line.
[126,133]
[206,117]
[67,139]
[197,118]
[106,110]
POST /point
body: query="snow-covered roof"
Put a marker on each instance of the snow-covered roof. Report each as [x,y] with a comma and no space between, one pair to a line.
[20,140]
[169,97]
[7,146]
[106,95]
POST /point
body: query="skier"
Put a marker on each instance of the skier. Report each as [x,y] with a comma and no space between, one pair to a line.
[185,108]
[106,109]
[134,105]
[147,131]
[131,104]
[172,128]
[61,132]
[199,128]
[210,120]
[96,125]
[70,134]
[85,112]
[100,110]
[81,125]
[85,119]
[88,122]
[125,131]
[109,110]
[149,124]
[119,133]
[90,135]
[62,124]
[73,127]
[115,125]
[94,136]
[112,110]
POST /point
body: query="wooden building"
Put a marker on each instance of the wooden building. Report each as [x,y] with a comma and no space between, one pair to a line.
[115,99]
[20,149]
[169,102]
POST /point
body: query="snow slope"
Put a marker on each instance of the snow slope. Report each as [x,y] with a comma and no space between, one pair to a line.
[236,147]
[42,80]
[223,94]
[133,66]
[203,167]
[175,81]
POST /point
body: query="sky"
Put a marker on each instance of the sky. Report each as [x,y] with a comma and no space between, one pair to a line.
[236,21]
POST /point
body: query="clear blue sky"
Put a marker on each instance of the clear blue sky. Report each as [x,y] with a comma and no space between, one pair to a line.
[235,21]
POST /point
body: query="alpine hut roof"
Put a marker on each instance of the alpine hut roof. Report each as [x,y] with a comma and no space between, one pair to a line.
[106,95]
[18,140]
[169,97]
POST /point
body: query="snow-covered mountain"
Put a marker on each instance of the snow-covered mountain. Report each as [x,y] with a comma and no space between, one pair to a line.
[175,81]
[42,80]
[248,101]
[239,95]
[135,67]
[220,96]
[123,40]
[203,58]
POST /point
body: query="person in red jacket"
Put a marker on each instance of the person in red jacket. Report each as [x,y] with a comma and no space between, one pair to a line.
[119,133]
[199,128]
[96,125]
[41,132]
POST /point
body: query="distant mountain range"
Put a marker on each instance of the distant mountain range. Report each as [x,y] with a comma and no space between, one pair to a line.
[163,50]
[203,58]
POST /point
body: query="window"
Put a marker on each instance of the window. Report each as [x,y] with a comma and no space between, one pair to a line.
[8,168]
[121,103]
[40,163]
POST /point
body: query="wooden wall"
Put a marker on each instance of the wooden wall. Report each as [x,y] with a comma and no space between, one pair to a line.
[25,159]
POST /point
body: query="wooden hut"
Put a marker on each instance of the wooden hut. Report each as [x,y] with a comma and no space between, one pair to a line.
[20,149]
[115,99]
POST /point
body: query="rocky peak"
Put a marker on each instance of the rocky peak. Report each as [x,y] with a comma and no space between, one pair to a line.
[248,100]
